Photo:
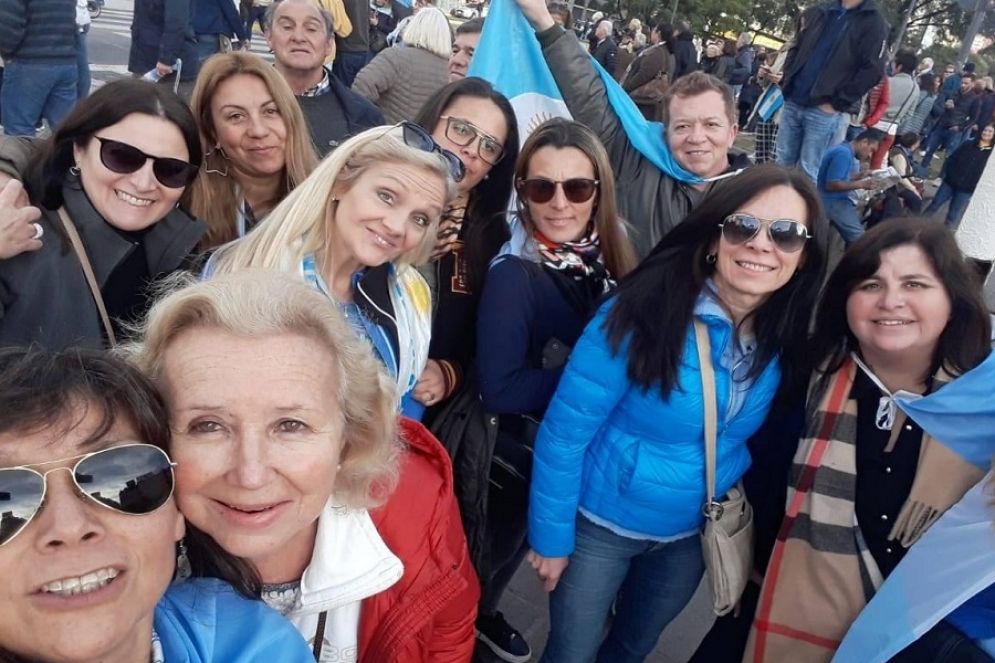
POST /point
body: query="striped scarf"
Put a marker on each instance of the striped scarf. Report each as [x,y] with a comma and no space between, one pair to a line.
[821,573]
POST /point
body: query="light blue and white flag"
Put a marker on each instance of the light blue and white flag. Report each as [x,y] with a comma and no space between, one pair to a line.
[955,558]
[509,56]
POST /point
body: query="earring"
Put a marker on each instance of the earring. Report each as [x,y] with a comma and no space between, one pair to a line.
[711,258]
[219,150]
[74,170]
[487,176]
[183,569]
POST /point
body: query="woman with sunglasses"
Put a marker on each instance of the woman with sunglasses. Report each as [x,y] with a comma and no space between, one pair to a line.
[477,123]
[618,480]
[108,182]
[90,535]
[532,311]
[257,147]
[290,456]
[902,312]
[354,228]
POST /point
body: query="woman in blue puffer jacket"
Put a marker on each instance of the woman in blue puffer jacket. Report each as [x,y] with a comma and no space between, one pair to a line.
[619,473]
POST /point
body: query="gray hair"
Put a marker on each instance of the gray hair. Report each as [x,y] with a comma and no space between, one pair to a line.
[326,16]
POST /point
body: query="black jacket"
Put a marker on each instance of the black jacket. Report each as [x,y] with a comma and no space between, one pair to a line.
[336,115]
[964,113]
[685,55]
[856,62]
[162,31]
[606,53]
[38,31]
[965,165]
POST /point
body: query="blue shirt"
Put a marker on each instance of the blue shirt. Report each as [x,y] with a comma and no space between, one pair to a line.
[799,88]
[837,165]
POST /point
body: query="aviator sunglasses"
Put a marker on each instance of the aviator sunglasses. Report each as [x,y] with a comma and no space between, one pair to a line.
[416,137]
[787,235]
[125,159]
[135,479]
[539,190]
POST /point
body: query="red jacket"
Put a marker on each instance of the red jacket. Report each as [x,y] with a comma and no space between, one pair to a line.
[428,615]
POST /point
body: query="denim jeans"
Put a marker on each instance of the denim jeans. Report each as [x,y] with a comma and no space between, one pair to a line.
[652,582]
[942,644]
[843,215]
[32,92]
[958,203]
[207,45]
[82,65]
[256,15]
[948,139]
[805,134]
[347,65]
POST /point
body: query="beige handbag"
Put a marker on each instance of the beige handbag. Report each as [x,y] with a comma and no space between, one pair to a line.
[727,540]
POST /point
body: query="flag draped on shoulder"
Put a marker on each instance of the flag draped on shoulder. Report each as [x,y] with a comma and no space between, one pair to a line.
[955,559]
[510,58]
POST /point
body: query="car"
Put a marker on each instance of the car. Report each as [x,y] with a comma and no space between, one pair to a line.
[465,12]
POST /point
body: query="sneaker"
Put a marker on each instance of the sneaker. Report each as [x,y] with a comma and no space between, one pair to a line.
[506,643]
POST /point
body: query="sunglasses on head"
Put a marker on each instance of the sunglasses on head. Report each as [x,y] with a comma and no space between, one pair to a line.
[416,137]
[463,133]
[540,190]
[134,479]
[125,159]
[787,235]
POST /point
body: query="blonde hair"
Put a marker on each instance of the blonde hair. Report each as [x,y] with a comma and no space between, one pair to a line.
[213,197]
[263,303]
[302,223]
[429,30]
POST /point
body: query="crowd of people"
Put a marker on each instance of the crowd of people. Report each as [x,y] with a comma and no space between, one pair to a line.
[315,405]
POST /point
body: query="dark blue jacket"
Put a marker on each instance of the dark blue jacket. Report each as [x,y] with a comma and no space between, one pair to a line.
[38,31]
[161,31]
[218,17]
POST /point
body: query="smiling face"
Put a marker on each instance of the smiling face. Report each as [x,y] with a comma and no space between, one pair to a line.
[385,213]
[559,219]
[257,435]
[249,127]
[747,274]
[486,116]
[298,37]
[700,133]
[901,310]
[987,134]
[136,200]
[73,540]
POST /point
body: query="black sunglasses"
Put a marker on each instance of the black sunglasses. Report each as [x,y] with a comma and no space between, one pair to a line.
[540,190]
[787,235]
[463,133]
[415,136]
[125,159]
[134,479]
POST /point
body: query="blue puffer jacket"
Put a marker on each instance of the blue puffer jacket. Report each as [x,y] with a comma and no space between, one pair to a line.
[206,621]
[627,456]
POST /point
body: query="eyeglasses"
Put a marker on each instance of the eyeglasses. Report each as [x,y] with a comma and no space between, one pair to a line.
[787,235]
[540,190]
[463,133]
[134,479]
[416,137]
[125,159]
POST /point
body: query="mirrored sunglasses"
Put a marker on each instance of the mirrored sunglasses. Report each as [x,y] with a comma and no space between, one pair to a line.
[787,235]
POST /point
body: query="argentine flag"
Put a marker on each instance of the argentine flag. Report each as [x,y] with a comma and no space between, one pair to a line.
[508,56]
[955,558]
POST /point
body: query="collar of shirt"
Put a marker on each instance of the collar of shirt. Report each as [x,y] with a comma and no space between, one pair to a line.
[322,87]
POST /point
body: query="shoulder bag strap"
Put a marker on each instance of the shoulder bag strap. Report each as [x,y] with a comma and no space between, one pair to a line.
[91,280]
[708,398]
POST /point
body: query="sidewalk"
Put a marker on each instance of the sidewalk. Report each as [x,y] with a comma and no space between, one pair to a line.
[524,605]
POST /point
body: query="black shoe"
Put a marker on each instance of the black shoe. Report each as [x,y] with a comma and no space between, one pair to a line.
[506,643]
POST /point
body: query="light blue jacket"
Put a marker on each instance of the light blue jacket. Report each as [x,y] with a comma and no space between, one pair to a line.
[629,457]
[206,621]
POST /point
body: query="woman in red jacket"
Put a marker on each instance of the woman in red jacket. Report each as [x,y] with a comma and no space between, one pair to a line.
[289,456]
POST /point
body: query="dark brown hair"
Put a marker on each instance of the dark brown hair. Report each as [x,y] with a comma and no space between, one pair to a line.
[695,83]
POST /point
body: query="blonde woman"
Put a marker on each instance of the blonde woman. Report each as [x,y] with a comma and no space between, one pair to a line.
[401,80]
[354,228]
[289,456]
[257,147]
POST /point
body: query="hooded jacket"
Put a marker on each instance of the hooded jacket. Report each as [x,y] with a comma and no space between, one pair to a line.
[206,621]
[651,201]
[401,571]
[685,54]
[856,61]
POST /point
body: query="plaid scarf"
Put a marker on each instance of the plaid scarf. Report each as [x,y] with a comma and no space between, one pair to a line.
[580,259]
[821,573]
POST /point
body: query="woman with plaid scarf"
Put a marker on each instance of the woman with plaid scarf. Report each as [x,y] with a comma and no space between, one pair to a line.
[902,314]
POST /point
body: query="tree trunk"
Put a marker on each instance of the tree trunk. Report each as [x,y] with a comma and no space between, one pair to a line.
[972,32]
[903,26]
